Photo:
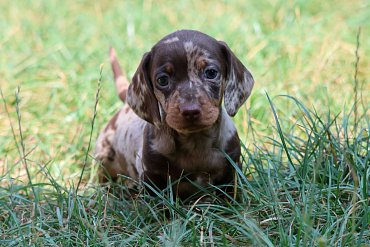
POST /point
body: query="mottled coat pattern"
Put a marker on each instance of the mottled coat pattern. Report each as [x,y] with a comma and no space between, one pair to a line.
[174,125]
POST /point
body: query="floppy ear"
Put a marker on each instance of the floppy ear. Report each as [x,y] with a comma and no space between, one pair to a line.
[140,95]
[239,82]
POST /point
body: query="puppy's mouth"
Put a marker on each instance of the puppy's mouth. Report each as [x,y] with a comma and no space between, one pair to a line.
[186,126]
[191,129]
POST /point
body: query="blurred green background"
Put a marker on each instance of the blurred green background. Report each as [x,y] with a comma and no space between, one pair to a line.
[53,51]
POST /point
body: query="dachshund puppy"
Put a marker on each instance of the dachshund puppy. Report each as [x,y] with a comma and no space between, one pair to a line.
[173,127]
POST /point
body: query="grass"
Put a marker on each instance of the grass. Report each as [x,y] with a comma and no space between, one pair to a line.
[305,129]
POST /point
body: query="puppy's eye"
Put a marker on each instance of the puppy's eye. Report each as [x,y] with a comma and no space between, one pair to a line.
[210,73]
[162,81]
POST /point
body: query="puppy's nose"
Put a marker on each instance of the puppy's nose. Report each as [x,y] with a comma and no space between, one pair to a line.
[190,111]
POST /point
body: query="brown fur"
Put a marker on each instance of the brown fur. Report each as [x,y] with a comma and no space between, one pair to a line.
[177,130]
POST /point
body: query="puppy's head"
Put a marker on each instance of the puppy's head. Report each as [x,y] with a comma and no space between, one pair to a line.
[182,80]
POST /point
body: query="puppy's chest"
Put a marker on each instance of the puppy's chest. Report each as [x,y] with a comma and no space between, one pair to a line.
[199,160]
[198,155]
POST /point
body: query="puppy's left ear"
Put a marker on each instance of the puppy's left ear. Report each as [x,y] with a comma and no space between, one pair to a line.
[239,81]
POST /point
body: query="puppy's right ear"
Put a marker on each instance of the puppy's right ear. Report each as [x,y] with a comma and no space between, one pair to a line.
[140,96]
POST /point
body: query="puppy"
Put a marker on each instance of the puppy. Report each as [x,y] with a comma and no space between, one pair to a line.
[173,127]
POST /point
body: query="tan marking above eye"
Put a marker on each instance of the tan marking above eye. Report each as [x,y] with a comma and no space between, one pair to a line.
[169,69]
[201,63]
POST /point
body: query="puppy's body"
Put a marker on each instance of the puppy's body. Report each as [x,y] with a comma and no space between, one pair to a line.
[174,125]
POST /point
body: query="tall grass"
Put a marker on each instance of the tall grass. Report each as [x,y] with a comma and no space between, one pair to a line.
[307,189]
[305,130]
